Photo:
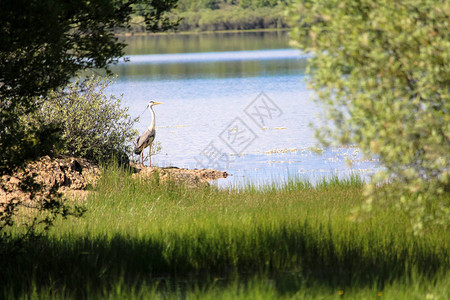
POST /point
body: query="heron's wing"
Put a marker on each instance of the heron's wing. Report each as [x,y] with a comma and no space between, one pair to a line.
[144,140]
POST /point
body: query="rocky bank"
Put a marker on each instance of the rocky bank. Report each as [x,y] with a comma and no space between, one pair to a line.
[72,176]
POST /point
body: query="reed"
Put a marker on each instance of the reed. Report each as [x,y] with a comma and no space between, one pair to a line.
[292,240]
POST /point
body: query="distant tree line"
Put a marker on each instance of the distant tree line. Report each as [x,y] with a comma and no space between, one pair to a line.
[193,5]
[232,18]
[214,15]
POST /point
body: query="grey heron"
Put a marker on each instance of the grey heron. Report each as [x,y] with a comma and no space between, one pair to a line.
[146,139]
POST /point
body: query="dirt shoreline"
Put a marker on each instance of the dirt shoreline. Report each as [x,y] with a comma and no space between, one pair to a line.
[73,176]
[191,177]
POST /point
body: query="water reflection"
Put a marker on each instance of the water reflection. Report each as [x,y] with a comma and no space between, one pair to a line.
[206,42]
[213,64]
[223,56]
[137,72]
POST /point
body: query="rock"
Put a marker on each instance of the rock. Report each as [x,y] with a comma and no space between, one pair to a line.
[191,177]
[65,173]
[14,180]
[71,176]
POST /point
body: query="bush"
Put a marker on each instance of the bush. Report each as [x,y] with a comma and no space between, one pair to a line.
[94,125]
[382,71]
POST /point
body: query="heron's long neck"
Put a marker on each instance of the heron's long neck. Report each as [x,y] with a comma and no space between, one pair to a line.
[152,126]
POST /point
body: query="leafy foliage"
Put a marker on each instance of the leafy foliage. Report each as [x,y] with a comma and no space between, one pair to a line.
[382,71]
[44,43]
[94,126]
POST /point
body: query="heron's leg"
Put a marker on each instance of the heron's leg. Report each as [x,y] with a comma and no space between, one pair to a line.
[142,157]
[150,156]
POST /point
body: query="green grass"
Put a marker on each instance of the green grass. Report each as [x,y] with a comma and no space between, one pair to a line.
[146,239]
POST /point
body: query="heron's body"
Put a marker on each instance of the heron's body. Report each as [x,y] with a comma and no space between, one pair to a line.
[146,139]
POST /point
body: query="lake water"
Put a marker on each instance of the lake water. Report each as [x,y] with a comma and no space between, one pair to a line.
[233,101]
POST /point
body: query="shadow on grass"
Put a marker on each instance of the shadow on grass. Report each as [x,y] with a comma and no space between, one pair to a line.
[79,267]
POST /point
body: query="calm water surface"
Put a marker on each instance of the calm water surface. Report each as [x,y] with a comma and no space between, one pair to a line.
[234,101]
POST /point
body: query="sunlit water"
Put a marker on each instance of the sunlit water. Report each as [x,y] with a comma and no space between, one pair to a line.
[246,111]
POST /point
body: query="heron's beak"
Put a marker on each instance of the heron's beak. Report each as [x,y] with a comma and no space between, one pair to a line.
[156,103]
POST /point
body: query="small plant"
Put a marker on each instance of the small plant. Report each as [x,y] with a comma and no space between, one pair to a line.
[94,126]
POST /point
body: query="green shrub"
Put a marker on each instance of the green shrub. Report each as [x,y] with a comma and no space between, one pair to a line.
[94,125]
[382,71]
